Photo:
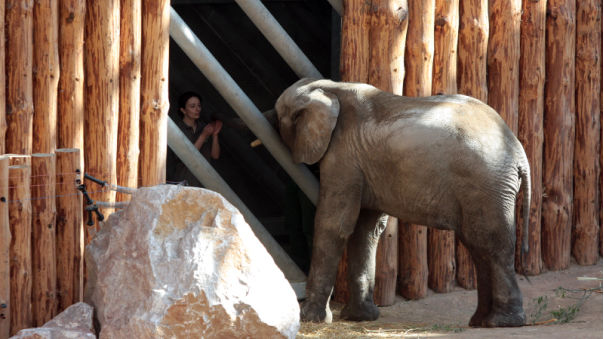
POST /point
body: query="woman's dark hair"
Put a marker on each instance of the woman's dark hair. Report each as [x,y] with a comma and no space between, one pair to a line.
[183,98]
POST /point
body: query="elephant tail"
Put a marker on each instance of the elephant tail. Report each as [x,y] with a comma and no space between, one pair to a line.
[525,174]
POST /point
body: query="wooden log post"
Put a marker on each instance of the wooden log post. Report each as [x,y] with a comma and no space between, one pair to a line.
[130,75]
[388,35]
[471,81]
[354,66]
[45,75]
[503,59]
[5,241]
[154,92]
[530,128]
[70,102]
[441,244]
[386,264]
[3,126]
[587,168]
[419,54]
[102,95]
[19,199]
[19,97]
[44,272]
[70,232]
[559,134]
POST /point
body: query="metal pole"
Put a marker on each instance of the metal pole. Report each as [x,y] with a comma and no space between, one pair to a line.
[200,167]
[243,106]
[277,36]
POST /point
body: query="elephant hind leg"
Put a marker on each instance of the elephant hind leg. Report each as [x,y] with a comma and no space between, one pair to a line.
[361,266]
[485,293]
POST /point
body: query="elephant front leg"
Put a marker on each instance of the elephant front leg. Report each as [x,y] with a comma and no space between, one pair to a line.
[333,226]
[361,266]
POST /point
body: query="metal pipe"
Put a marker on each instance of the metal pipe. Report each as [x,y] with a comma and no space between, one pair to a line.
[202,169]
[276,35]
[243,106]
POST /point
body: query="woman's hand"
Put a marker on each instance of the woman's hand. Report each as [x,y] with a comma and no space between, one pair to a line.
[217,126]
[207,131]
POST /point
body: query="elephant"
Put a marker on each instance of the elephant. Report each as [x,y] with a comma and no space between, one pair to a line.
[446,161]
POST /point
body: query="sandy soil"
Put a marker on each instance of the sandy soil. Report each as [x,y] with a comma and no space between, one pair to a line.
[441,315]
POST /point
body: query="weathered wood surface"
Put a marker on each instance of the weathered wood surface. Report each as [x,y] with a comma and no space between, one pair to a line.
[559,134]
[130,80]
[419,53]
[441,244]
[19,205]
[154,92]
[19,86]
[70,101]
[44,268]
[530,128]
[46,75]
[102,95]
[588,70]
[5,241]
[388,34]
[3,126]
[70,232]
[386,265]
[503,59]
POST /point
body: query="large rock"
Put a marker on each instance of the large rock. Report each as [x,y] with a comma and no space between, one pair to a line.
[73,323]
[181,262]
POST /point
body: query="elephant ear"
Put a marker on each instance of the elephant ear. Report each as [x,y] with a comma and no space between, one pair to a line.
[313,125]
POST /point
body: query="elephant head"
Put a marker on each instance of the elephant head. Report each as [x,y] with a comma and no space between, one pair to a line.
[307,117]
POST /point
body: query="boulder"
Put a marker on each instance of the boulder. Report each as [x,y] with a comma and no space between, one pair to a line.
[73,323]
[181,262]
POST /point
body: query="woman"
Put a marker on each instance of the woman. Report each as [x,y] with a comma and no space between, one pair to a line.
[204,137]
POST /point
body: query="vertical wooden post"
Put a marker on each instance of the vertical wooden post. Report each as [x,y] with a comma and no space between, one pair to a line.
[587,168]
[354,66]
[441,244]
[386,265]
[559,134]
[503,59]
[5,241]
[44,272]
[102,94]
[130,75]
[20,248]
[419,53]
[70,232]
[2,88]
[45,75]
[154,92]
[71,84]
[530,127]
[388,34]
[19,100]
[471,81]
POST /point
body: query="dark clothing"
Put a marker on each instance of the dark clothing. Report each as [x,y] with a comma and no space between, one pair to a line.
[175,168]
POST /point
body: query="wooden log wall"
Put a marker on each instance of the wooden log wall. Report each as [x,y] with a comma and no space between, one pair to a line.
[413,239]
[19,212]
[441,244]
[44,277]
[5,241]
[69,232]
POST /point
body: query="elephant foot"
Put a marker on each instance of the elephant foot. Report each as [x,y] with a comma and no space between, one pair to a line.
[312,313]
[499,319]
[477,318]
[364,311]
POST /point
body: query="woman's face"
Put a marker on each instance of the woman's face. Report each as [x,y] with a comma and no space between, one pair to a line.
[192,108]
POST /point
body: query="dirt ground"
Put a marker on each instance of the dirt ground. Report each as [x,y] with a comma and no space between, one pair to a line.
[447,315]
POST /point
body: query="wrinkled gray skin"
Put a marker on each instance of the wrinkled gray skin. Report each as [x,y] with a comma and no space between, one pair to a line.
[448,162]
